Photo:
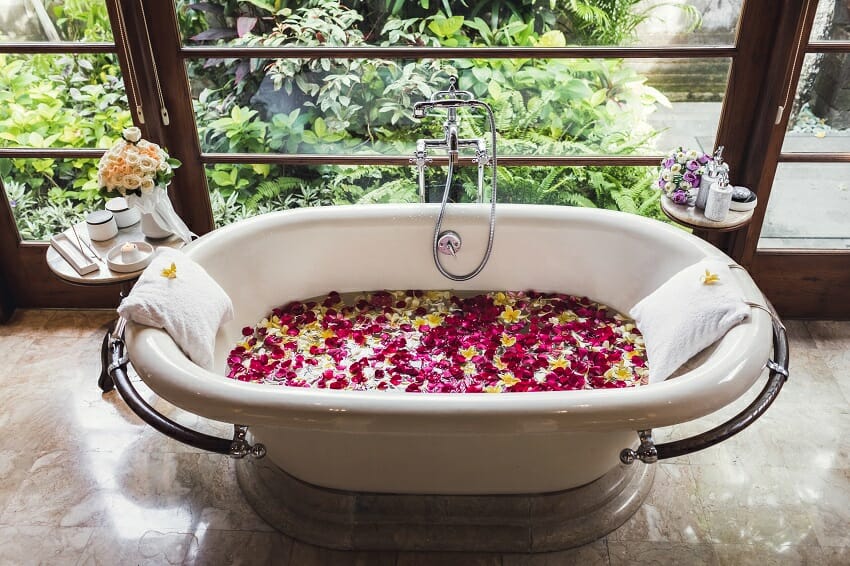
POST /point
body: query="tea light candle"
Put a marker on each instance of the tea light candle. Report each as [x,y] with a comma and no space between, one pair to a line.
[129,252]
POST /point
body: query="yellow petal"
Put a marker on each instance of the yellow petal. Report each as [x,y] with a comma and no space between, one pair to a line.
[710,278]
[469,353]
[508,380]
[170,272]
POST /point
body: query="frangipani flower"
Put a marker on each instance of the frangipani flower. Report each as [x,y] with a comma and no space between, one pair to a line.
[710,278]
[170,272]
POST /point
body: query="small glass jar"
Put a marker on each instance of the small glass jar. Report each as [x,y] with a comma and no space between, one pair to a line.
[101,225]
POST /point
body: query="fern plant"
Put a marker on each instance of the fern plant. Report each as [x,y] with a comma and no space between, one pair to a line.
[271,188]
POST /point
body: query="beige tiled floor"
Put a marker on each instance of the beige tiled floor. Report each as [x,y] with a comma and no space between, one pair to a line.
[85,482]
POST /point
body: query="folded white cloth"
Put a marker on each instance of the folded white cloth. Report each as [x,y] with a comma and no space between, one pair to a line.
[687,314]
[186,302]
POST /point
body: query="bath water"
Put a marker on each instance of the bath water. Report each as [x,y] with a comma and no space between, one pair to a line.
[443,342]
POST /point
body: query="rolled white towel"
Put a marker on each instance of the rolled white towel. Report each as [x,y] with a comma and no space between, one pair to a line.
[178,295]
[688,313]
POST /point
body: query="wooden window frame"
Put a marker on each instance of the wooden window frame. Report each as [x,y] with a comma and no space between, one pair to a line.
[763,59]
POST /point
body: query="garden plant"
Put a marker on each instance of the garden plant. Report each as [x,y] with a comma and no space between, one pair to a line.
[362,106]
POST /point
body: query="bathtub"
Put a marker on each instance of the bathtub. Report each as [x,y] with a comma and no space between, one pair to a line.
[450,444]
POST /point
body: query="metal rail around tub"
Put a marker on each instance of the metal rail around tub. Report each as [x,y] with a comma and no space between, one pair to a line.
[648,452]
[237,447]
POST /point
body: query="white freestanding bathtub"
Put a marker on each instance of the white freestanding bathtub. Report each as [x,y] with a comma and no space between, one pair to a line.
[383,442]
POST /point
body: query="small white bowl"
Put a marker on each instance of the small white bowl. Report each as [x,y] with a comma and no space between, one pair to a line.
[742,206]
[124,262]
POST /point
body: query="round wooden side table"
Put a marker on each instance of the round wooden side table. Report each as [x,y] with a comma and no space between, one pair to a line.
[103,275]
[692,217]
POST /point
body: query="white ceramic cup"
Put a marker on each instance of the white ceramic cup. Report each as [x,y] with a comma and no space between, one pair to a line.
[124,215]
[101,225]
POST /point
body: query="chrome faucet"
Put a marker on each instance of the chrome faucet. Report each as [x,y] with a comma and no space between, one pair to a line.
[449,242]
[451,100]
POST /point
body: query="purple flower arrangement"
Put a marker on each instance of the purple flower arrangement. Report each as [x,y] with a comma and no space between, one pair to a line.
[681,172]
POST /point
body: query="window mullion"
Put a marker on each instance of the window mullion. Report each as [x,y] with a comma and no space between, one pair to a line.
[161,57]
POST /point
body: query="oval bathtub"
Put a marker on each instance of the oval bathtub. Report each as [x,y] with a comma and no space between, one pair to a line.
[448,443]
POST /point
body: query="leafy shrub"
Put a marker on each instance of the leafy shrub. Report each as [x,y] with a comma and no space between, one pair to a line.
[57,101]
[541,106]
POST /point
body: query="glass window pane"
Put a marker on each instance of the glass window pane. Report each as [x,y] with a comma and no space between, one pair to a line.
[832,21]
[61,101]
[241,191]
[808,208]
[542,107]
[48,195]
[820,122]
[461,24]
[54,20]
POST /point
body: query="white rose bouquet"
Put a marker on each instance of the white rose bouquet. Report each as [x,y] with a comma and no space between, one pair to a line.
[134,165]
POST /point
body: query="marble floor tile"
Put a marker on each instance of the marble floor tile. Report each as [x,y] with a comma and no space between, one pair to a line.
[12,348]
[151,548]
[26,322]
[447,559]
[39,365]
[827,495]
[14,468]
[592,554]
[771,526]
[725,485]
[71,489]
[769,555]
[813,380]
[835,555]
[661,554]
[238,548]
[309,555]
[43,545]
[829,333]
[672,512]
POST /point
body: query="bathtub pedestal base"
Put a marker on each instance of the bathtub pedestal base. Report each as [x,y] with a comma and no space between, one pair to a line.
[497,523]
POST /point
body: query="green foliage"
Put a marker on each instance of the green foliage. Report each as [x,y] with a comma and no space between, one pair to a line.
[59,101]
[330,106]
[279,192]
[542,106]
[613,22]
[38,217]
[80,20]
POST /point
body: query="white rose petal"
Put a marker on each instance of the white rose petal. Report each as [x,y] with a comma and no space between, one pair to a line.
[132,134]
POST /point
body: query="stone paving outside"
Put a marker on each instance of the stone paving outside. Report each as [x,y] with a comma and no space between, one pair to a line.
[810,202]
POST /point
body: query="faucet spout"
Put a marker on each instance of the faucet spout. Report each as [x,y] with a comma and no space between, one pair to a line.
[452,141]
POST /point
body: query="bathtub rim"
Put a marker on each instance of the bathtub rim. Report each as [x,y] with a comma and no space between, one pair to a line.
[684,398]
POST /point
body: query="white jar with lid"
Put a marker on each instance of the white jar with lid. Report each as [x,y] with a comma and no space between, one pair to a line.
[124,214]
[101,225]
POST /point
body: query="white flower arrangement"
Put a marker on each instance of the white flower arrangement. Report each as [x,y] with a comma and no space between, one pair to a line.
[134,165]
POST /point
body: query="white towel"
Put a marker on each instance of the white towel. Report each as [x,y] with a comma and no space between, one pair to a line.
[190,306]
[685,315]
